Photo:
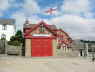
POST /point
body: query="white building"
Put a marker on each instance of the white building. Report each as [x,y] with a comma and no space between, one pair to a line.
[7,28]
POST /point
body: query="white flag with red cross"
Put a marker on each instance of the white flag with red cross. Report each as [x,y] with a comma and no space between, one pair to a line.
[51,11]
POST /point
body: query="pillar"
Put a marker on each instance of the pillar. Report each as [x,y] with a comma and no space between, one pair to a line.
[28,47]
[86,48]
[54,46]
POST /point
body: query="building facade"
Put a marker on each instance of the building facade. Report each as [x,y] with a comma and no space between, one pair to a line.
[43,39]
[88,48]
[83,48]
[7,28]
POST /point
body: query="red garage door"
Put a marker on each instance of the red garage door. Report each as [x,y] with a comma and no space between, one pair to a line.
[41,47]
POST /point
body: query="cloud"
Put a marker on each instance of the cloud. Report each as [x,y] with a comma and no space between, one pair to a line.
[76,6]
[76,26]
[76,19]
[30,7]
[4,5]
[74,16]
[28,11]
[20,19]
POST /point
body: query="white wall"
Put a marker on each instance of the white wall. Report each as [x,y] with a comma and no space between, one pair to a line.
[10,31]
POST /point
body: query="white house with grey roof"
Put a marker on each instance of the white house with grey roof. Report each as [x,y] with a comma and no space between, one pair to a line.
[7,28]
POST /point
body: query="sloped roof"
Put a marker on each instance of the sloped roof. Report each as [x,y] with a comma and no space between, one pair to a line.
[7,21]
[29,26]
[34,26]
[52,27]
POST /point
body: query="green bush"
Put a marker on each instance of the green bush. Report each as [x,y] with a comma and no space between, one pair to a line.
[14,43]
[3,39]
[12,38]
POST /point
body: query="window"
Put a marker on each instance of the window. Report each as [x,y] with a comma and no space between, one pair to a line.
[4,27]
[91,48]
[42,29]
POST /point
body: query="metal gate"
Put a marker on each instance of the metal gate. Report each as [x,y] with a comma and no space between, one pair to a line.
[2,46]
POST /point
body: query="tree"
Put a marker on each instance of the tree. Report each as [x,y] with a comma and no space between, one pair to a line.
[17,39]
[19,36]
[12,38]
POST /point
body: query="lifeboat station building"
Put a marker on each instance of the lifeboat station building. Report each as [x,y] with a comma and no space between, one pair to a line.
[42,39]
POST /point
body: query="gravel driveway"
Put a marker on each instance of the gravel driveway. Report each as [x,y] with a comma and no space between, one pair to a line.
[22,64]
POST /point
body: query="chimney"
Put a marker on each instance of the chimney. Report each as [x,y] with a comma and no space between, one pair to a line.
[27,22]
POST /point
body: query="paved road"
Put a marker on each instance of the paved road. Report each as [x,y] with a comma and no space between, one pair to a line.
[21,64]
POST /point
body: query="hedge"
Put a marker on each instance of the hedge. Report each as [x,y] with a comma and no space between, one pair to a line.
[14,43]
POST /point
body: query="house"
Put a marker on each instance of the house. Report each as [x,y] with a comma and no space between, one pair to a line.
[63,39]
[7,28]
[88,48]
[42,39]
[83,48]
[77,47]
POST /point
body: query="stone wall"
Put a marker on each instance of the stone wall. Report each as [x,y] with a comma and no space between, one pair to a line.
[74,51]
[13,50]
[67,52]
[9,49]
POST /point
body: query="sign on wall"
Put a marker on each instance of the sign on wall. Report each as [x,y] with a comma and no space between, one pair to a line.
[46,35]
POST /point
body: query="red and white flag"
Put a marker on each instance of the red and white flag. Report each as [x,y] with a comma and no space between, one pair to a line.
[51,11]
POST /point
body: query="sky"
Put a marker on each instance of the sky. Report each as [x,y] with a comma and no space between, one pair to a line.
[76,17]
